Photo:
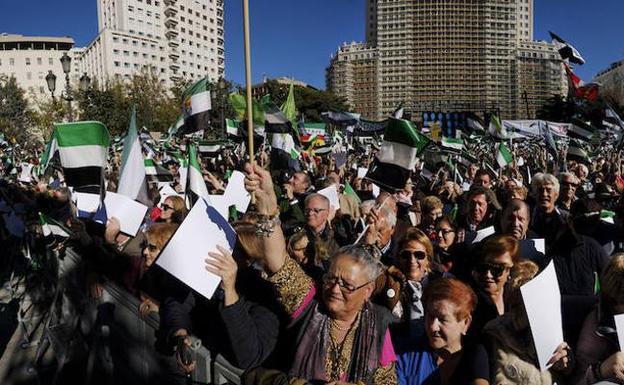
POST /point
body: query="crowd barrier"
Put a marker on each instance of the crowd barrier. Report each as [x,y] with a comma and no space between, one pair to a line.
[132,344]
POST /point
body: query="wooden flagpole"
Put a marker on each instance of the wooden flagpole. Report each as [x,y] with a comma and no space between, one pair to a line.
[250,130]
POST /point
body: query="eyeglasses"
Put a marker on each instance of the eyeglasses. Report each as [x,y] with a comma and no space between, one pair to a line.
[407,255]
[494,269]
[444,231]
[166,207]
[313,210]
[331,280]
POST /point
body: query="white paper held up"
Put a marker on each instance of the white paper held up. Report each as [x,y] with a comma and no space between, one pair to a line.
[542,301]
[129,212]
[331,193]
[619,326]
[483,233]
[361,172]
[184,256]
[236,193]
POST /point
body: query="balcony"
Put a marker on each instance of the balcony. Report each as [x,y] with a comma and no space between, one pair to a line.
[171,33]
[171,23]
[170,2]
[171,11]
[174,55]
[174,66]
[173,43]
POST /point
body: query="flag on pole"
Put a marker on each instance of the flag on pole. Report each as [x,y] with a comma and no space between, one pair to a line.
[289,108]
[496,128]
[474,123]
[567,50]
[83,151]
[452,144]
[195,177]
[232,126]
[397,157]
[284,154]
[150,166]
[398,113]
[577,152]
[503,155]
[132,175]
[196,106]
[580,130]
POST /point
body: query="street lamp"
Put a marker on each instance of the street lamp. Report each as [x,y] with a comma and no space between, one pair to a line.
[51,80]
[85,81]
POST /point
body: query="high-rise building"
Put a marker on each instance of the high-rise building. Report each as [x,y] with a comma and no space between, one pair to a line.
[352,74]
[538,76]
[175,38]
[444,55]
[612,82]
[29,58]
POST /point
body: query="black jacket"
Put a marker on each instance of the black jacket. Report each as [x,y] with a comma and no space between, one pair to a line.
[245,333]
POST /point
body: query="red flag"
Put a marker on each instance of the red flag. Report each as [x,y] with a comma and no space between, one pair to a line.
[581,90]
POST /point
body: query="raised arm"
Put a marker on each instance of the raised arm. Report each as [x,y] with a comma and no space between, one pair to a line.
[258,182]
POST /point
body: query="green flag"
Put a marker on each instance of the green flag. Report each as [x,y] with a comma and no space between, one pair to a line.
[289,108]
[348,190]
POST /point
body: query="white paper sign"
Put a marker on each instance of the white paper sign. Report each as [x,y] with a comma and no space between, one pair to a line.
[221,204]
[361,172]
[542,301]
[129,212]
[184,256]
[25,175]
[236,193]
[376,190]
[87,202]
[331,193]
[483,233]
[619,326]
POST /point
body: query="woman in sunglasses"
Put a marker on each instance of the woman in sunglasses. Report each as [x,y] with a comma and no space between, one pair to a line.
[490,274]
[172,210]
[414,261]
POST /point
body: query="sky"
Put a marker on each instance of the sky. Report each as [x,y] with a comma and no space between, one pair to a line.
[296,38]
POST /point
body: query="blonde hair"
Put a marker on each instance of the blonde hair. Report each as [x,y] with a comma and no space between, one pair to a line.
[159,233]
[415,234]
[613,281]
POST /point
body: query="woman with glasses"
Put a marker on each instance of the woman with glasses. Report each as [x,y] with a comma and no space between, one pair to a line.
[440,355]
[513,357]
[491,272]
[173,210]
[445,248]
[340,336]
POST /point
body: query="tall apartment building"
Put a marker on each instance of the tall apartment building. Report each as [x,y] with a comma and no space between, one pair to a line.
[444,55]
[175,38]
[29,58]
[612,81]
[539,74]
[353,75]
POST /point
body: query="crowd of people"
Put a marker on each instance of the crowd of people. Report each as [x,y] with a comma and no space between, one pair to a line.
[391,287]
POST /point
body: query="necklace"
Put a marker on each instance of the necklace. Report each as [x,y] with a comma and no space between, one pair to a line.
[334,325]
[340,353]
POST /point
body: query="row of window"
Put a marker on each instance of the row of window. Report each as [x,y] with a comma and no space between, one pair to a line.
[28,61]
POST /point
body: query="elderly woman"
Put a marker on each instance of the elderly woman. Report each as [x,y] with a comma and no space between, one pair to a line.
[342,335]
[490,274]
[512,353]
[440,355]
[445,248]
[598,355]
[431,209]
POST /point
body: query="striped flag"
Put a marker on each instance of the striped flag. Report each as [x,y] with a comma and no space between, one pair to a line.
[51,227]
[284,153]
[196,106]
[567,50]
[132,175]
[232,126]
[452,144]
[503,155]
[397,157]
[83,150]
[580,130]
[195,177]
[150,166]
[474,123]
[577,152]
[496,128]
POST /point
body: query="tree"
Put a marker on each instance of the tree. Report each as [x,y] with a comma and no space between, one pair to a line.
[16,119]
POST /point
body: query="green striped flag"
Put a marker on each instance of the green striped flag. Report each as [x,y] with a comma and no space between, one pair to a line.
[397,157]
[83,151]
[452,144]
[195,177]
[196,106]
[497,128]
[132,176]
[232,126]
[150,166]
[503,155]
[51,227]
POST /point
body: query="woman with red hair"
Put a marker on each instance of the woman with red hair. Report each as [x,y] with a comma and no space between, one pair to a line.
[439,356]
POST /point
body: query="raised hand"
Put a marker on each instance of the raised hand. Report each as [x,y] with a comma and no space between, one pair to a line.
[258,182]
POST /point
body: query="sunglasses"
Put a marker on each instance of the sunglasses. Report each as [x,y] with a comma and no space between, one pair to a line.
[150,246]
[331,280]
[495,270]
[166,207]
[407,255]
